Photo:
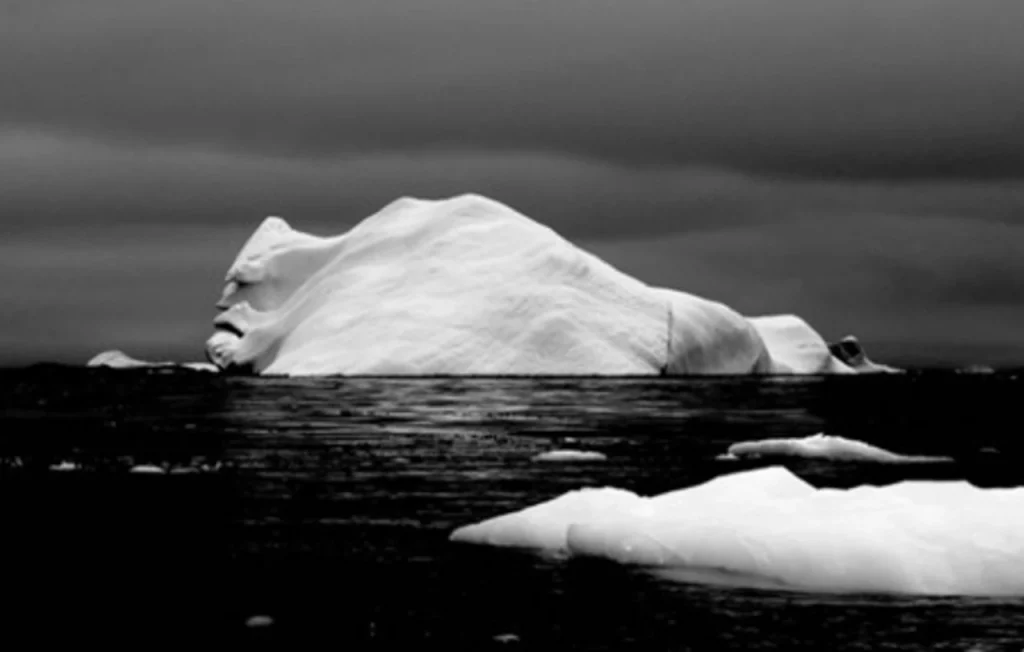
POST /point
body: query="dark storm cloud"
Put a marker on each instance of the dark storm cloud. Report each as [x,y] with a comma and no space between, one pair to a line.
[807,87]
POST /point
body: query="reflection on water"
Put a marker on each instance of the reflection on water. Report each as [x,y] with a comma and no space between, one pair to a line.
[332,510]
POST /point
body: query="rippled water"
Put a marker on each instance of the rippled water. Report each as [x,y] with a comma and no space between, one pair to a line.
[332,513]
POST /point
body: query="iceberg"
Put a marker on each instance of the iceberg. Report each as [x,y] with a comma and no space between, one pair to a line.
[119,360]
[469,286]
[822,446]
[569,455]
[768,527]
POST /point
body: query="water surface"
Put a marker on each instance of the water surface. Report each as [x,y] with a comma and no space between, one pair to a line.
[332,512]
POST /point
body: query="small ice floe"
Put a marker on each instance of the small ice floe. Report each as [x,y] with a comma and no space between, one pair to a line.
[149,468]
[259,621]
[726,457]
[569,455]
[506,638]
[65,466]
[828,447]
[177,469]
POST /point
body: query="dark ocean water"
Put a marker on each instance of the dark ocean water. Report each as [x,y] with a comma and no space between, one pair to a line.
[332,510]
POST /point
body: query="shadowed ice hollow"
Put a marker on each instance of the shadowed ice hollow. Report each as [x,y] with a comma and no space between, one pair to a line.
[469,286]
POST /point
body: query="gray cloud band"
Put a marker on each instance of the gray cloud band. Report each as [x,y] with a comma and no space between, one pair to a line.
[821,89]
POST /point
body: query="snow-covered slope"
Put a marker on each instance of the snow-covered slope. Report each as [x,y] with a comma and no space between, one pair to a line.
[795,347]
[468,286]
[769,527]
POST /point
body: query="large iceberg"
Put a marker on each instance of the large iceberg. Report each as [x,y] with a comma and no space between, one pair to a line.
[469,286]
[770,528]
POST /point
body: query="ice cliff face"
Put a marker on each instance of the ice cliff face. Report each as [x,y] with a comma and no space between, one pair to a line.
[469,286]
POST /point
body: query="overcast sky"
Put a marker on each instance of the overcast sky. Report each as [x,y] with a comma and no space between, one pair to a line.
[857,162]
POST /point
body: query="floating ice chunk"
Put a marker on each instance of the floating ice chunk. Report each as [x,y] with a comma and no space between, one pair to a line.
[119,360]
[148,468]
[768,527]
[259,621]
[976,369]
[824,446]
[568,455]
[65,466]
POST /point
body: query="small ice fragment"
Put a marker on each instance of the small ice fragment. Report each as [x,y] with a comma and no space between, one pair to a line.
[147,468]
[259,621]
[569,455]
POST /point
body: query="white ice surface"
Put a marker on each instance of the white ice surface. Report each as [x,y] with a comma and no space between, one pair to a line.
[768,527]
[822,446]
[795,347]
[569,455]
[119,360]
[469,286]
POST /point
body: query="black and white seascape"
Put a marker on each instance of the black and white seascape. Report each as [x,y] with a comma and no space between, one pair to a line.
[544,324]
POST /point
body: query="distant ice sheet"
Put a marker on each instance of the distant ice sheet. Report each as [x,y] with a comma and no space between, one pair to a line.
[768,527]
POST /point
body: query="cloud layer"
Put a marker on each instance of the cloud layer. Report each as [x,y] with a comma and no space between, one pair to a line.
[805,87]
[860,162]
